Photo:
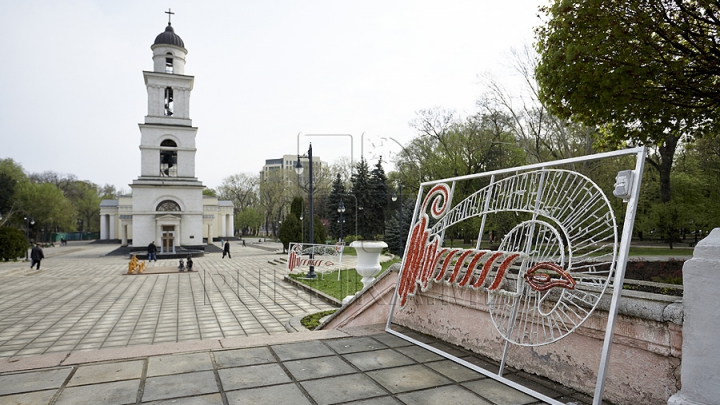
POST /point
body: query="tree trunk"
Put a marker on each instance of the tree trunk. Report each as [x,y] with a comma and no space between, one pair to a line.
[667,153]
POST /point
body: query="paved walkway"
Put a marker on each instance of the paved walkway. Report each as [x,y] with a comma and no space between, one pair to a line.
[81,300]
[79,332]
[367,367]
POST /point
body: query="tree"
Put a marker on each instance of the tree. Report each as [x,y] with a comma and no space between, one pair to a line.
[47,205]
[273,198]
[542,135]
[395,236]
[11,174]
[336,195]
[12,243]
[377,201]
[209,192]
[643,70]
[361,191]
[319,232]
[87,205]
[290,231]
[241,189]
[296,207]
[249,220]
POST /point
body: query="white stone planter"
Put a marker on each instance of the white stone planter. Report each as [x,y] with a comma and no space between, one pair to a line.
[368,259]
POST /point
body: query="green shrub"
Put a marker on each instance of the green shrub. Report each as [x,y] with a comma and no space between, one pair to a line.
[12,243]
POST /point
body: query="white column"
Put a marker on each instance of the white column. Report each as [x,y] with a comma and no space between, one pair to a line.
[103,227]
[210,234]
[231,225]
[223,225]
[700,374]
[123,234]
[111,227]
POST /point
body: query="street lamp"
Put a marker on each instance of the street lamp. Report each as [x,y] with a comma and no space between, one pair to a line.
[28,221]
[402,233]
[299,170]
[341,210]
[302,228]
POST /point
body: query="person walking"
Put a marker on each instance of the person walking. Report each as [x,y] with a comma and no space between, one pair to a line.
[226,250]
[36,255]
[152,252]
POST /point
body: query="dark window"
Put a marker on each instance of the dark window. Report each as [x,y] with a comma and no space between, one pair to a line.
[169,143]
[168,63]
[168,101]
[168,205]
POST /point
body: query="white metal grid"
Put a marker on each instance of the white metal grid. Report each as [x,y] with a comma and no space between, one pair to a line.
[550,269]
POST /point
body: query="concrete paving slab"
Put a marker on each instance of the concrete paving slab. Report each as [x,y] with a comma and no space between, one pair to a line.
[302,350]
[33,380]
[379,401]
[179,385]
[498,393]
[408,378]
[30,398]
[454,371]
[252,376]
[114,371]
[287,394]
[179,363]
[390,340]
[111,393]
[419,354]
[243,357]
[352,345]
[443,395]
[342,389]
[309,369]
[378,359]
[211,399]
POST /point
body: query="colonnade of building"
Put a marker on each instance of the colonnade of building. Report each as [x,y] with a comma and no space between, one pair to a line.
[108,221]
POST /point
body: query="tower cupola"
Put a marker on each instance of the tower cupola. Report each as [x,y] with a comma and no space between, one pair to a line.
[169,51]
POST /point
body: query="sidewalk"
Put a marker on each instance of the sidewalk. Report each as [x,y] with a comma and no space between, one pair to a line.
[365,366]
[80,332]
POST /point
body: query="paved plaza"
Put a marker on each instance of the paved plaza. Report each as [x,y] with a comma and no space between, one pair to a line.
[80,332]
[80,299]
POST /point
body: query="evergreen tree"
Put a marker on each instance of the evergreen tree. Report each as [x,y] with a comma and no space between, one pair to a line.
[336,195]
[378,201]
[290,231]
[395,235]
[361,190]
[319,232]
[296,207]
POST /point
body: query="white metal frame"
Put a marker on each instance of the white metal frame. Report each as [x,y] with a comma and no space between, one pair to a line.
[549,259]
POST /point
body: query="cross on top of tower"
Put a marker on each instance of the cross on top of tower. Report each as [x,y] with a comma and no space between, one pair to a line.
[169,13]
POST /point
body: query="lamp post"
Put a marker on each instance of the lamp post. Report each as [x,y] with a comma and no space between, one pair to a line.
[299,170]
[341,210]
[302,228]
[402,237]
[28,221]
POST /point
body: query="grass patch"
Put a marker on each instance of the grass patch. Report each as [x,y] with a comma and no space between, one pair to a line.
[312,321]
[349,282]
[658,251]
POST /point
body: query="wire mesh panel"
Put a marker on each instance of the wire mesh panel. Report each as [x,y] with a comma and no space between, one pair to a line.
[558,251]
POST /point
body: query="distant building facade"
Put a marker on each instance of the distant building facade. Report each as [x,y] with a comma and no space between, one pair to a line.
[285,166]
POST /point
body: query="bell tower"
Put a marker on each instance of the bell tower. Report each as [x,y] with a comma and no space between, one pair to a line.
[167,197]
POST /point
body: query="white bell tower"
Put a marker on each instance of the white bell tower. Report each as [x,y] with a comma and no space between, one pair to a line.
[167,203]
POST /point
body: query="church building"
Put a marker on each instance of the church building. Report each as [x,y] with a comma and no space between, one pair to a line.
[167,205]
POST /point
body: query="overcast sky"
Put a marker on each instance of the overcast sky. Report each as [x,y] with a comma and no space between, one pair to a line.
[72,90]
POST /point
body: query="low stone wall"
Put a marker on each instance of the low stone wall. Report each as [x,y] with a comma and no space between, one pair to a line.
[645,356]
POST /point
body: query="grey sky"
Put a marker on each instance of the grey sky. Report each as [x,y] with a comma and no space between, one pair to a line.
[72,90]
